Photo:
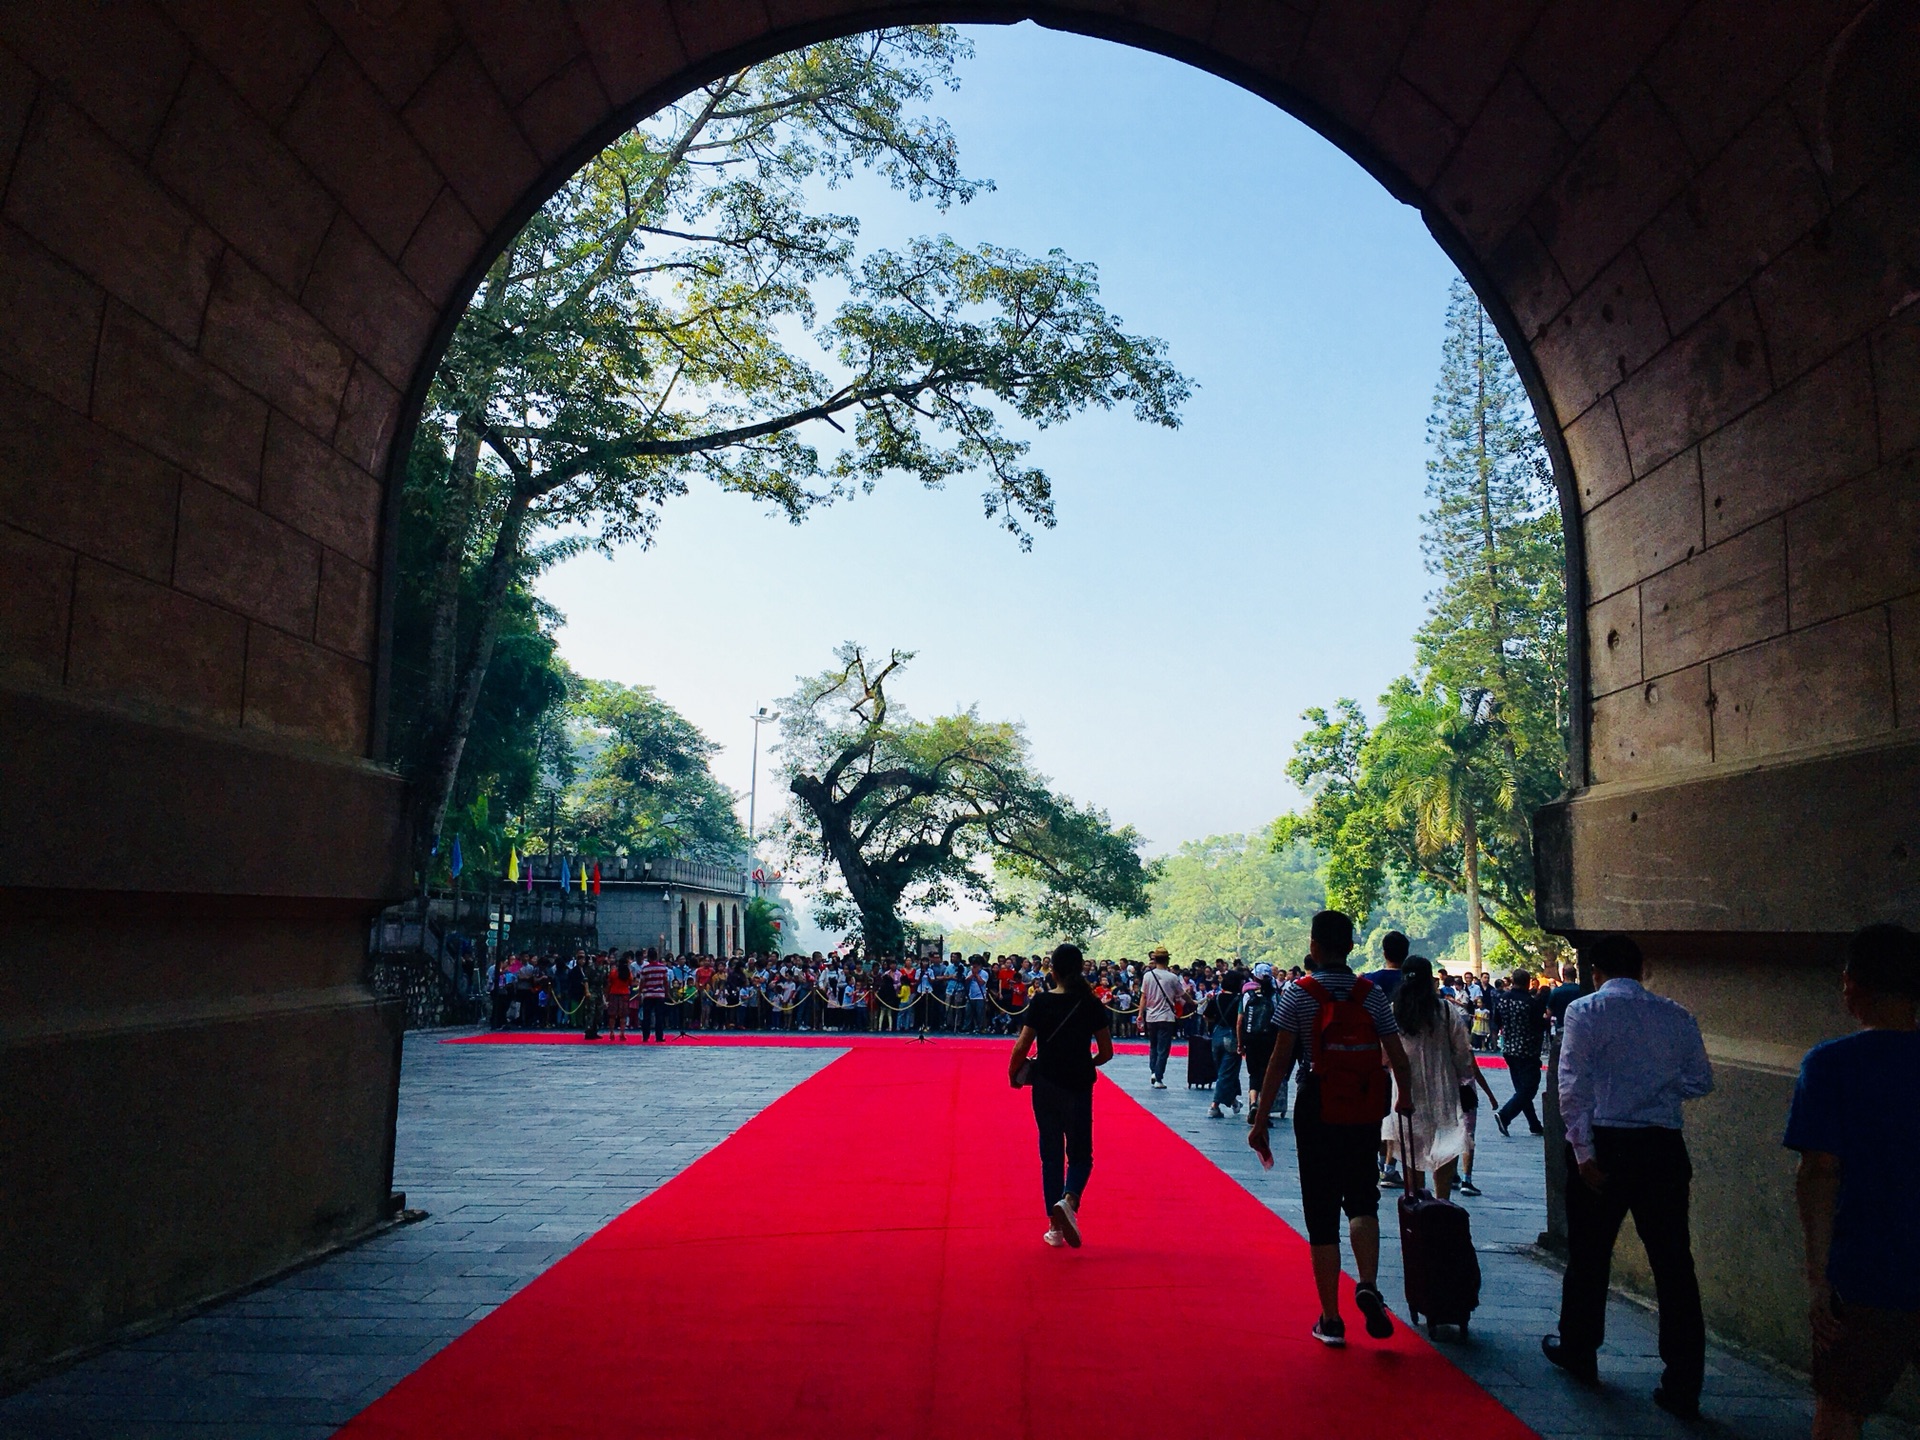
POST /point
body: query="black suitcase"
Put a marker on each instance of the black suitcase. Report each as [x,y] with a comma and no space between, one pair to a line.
[1436,1251]
[1200,1067]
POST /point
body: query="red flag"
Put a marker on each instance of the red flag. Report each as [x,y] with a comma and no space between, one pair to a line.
[596,877]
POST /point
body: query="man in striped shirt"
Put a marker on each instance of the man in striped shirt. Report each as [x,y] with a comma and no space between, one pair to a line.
[653,997]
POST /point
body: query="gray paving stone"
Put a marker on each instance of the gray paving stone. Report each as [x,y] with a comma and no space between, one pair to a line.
[519,1152]
[516,1152]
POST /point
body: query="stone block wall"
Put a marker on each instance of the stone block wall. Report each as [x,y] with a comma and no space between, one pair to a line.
[231,232]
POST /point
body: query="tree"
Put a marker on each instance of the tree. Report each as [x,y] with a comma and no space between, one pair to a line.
[758,920]
[1442,793]
[1436,760]
[644,787]
[903,813]
[640,332]
[1230,897]
[517,744]
[1498,624]
[1401,803]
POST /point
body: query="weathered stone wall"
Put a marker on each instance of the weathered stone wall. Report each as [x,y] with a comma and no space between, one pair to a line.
[231,231]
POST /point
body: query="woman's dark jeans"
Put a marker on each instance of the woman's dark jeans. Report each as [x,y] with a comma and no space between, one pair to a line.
[1226,1062]
[1064,1116]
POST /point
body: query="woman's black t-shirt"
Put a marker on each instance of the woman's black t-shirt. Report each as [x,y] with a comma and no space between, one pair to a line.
[1066,1025]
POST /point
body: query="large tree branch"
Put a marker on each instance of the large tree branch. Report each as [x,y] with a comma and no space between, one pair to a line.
[597,452]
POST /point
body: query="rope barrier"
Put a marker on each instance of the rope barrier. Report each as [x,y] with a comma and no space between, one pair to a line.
[692,991]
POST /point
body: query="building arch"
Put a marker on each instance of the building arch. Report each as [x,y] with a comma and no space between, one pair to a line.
[236,238]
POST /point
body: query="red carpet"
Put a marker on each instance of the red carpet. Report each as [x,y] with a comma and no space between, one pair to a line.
[863,1259]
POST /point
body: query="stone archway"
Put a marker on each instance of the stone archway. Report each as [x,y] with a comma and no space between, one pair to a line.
[235,231]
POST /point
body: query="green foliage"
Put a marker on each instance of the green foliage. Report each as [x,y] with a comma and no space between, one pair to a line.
[643,786]
[518,736]
[1439,794]
[1434,922]
[650,325]
[897,813]
[1227,897]
[757,921]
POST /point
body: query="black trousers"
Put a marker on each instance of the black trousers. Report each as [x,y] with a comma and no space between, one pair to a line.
[1064,1117]
[1259,1048]
[1650,1178]
[653,1017]
[1525,1075]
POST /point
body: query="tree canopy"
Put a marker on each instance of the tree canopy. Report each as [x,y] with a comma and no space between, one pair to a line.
[644,787]
[895,813]
[1227,897]
[659,321]
[1440,792]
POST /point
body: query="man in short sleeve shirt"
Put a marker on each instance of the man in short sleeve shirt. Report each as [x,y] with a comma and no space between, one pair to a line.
[1337,1169]
[1854,1123]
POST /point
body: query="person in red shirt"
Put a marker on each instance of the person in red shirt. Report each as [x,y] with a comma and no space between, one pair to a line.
[703,982]
[619,999]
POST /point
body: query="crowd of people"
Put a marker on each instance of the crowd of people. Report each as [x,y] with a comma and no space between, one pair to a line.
[981,994]
[1387,1087]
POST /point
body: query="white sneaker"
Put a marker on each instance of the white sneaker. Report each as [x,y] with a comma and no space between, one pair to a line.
[1054,1238]
[1213,1112]
[1066,1219]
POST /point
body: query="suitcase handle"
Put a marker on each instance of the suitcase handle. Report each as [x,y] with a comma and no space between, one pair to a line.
[1406,1152]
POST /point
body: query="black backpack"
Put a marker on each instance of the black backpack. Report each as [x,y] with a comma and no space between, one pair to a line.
[1259,1013]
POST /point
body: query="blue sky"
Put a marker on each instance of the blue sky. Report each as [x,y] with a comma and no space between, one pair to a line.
[1204,585]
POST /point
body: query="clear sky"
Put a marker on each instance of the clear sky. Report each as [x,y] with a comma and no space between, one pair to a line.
[1204,585]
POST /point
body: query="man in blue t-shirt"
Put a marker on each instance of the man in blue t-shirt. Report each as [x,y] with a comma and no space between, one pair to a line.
[1858,1135]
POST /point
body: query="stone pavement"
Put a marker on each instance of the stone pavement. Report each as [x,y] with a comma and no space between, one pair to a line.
[1519,1294]
[512,1181]
[516,1153]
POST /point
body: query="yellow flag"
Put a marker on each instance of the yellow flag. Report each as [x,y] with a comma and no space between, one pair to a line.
[513,862]
[583,877]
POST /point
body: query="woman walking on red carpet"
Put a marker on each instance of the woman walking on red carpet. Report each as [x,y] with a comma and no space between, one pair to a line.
[1065,1020]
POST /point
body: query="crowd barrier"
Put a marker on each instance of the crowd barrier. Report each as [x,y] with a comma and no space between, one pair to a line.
[691,1010]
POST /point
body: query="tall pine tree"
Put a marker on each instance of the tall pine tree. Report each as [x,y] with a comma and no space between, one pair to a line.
[1496,634]
[1442,791]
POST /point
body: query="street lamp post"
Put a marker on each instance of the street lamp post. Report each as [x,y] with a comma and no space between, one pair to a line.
[759,717]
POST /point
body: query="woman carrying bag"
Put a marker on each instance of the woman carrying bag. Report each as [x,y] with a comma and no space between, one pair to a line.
[1443,1068]
[1065,1019]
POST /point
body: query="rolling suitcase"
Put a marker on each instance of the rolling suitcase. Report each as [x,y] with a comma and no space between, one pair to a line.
[1436,1251]
[1200,1067]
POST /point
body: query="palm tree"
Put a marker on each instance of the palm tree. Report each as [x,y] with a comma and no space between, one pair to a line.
[1434,752]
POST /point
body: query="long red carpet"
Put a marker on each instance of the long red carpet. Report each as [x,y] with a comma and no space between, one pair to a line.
[863,1258]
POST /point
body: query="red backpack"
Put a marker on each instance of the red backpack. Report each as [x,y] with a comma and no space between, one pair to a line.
[1346,1057]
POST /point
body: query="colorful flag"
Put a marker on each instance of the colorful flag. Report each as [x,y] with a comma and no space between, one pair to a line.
[566,876]
[513,862]
[596,877]
[456,864]
[583,877]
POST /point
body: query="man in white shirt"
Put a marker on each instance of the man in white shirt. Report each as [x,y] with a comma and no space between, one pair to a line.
[1162,993]
[1628,1060]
